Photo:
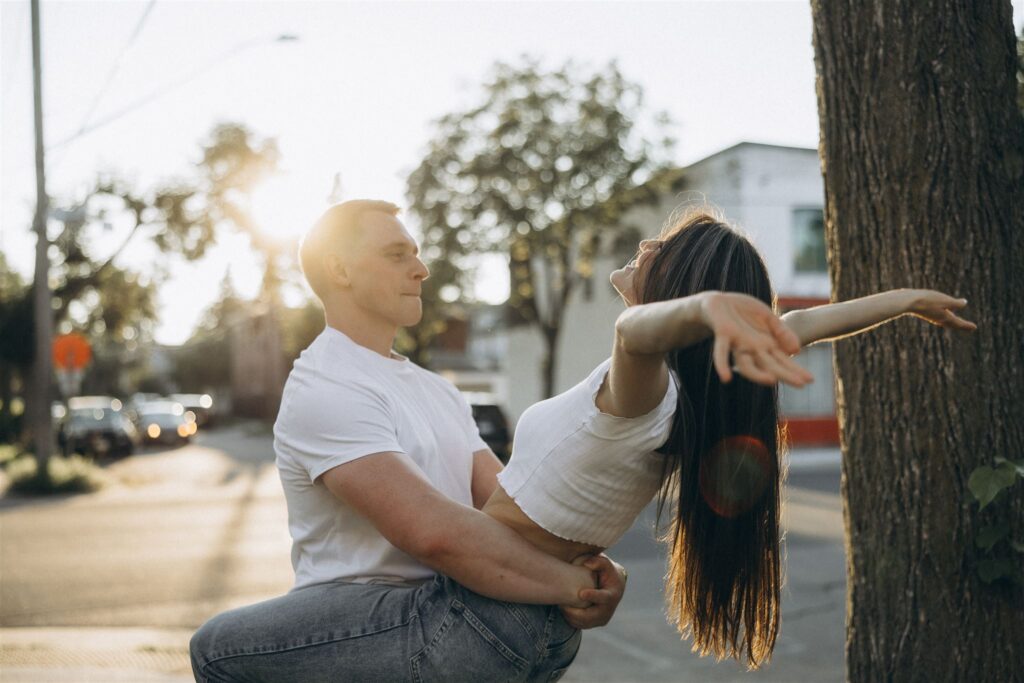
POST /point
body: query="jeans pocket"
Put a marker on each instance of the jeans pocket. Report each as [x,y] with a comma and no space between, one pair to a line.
[561,632]
[464,649]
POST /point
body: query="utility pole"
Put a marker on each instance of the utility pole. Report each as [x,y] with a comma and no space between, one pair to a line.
[40,417]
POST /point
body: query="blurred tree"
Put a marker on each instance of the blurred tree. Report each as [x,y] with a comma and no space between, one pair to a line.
[234,162]
[301,325]
[545,163]
[15,344]
[203,363]
[181,217]
[922,146]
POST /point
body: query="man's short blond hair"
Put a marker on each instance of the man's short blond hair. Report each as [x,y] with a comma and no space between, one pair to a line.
[335,230]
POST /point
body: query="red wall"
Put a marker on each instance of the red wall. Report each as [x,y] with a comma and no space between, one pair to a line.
[809,431]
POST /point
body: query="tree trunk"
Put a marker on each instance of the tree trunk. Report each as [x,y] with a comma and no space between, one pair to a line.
[550,364]
[922,152]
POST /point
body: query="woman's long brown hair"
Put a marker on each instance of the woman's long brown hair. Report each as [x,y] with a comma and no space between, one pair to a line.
[723,581]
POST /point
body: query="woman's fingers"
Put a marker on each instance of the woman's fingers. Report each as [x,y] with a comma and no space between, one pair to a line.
[745,366]
[956,321]
[779,371]
[771,366]
[784,335]
[597,596]
[721,358]
[789,371]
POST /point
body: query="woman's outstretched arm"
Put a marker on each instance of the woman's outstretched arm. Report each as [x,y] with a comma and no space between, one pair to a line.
[835,321]
[761,345]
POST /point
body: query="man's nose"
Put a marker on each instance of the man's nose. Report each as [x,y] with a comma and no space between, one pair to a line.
[421,272]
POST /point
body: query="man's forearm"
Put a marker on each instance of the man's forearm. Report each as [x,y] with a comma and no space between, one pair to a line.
[489,558]
[835,321]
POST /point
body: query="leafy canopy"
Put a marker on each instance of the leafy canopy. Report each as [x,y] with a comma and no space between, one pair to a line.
[546,161]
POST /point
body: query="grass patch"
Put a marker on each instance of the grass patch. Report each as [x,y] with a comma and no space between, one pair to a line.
[73,474]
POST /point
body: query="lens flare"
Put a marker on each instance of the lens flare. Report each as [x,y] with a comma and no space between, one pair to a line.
[734,475]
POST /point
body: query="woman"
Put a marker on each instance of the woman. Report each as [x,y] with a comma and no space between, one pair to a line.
[665,416]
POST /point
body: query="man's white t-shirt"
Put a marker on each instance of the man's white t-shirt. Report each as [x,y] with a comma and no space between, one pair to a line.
[341,402]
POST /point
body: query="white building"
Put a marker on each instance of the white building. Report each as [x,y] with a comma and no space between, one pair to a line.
[773,194]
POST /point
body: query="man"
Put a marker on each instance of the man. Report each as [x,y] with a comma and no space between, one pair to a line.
[384,473]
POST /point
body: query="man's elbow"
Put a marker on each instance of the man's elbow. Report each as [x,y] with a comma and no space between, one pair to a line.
[432,548]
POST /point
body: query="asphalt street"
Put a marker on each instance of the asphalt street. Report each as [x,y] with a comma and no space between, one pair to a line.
[109,586]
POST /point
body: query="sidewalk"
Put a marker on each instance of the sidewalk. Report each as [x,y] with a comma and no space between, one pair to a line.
[94,655]
[638,646]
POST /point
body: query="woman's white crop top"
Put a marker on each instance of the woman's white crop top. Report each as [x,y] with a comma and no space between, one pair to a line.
[584,475]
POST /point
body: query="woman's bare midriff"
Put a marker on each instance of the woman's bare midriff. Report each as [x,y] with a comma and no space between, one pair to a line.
[502,508]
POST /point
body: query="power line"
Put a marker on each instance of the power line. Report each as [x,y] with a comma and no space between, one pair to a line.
[163,90]
[116,66]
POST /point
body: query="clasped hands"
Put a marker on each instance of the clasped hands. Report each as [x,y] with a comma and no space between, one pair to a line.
[604,597]
[761,344]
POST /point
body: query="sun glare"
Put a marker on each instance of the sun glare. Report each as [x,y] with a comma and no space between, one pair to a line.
[282,207]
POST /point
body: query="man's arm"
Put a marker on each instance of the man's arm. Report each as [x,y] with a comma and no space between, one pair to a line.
[835,321]
[485,476]
[610,576]
[469,546]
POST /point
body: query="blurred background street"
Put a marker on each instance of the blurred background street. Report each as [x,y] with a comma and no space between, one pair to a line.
[161,161]
[109,585]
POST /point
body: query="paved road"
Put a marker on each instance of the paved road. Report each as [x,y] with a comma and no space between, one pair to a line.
[110,585]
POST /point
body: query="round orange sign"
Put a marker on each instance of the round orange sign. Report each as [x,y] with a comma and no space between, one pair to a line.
[71,352]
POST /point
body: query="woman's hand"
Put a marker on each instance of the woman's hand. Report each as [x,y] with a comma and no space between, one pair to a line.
[937,308]
[760,343]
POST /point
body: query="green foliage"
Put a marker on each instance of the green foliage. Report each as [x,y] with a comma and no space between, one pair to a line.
[991,534]
[991,569]
[988,484]
[545,162]
[73,474]
[8,452]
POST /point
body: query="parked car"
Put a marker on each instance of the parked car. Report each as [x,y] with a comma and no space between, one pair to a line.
[165,422]
[87,402]
[98,432]
[201,406]
[493,425]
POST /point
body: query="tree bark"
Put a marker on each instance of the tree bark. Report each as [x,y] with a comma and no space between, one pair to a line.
[922,152]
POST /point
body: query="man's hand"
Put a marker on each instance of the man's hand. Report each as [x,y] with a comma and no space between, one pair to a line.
[604,599]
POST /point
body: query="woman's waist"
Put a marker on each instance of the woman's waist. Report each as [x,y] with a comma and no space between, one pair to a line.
[504,509]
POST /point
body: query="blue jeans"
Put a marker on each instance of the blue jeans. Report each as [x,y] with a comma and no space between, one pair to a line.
[439,631]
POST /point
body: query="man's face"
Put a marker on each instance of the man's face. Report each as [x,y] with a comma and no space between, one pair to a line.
[386,274]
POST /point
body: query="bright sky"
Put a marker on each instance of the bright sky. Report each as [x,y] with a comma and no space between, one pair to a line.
[355,95]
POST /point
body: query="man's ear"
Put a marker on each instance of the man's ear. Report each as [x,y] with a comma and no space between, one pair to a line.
[337,269]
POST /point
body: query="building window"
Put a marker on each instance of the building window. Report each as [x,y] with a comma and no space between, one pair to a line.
[817,399]
[809,241]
